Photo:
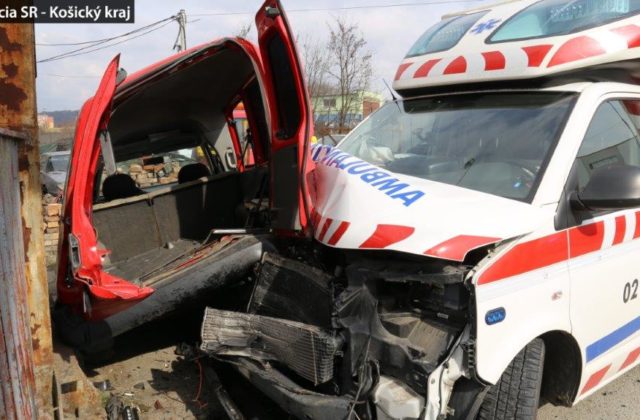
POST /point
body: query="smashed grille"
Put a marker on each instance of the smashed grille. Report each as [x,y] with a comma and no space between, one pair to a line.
[307,350]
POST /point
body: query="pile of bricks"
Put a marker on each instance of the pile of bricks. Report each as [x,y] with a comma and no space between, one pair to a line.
[52,213]
[150,175]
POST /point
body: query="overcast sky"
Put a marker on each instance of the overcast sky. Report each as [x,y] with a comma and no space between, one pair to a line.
[65,84]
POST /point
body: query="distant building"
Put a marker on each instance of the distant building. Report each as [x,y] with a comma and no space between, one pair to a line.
[326,108]
[46,122]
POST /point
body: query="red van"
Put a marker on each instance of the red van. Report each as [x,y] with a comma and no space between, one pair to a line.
[166,198]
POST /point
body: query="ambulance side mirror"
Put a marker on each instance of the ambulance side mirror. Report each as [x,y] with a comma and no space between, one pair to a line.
[610,188]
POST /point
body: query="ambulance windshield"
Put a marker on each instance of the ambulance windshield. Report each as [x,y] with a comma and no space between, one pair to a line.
[444,35]
[498,143]
[560,17]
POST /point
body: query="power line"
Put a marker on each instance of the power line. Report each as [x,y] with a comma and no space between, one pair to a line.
[329,9]
[68,76]
[90,48]
[67,55]
[103,40]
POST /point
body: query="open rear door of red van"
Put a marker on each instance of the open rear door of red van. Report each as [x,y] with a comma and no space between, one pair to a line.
[290,119]
[81,281]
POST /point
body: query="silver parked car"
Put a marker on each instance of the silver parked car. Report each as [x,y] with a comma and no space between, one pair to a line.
[53,171]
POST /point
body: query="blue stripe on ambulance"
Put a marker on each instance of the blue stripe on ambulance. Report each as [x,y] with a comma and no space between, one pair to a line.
[611,340]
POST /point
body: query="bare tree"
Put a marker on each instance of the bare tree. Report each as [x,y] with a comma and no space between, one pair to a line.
[316,64]
[315,59]
[349,66]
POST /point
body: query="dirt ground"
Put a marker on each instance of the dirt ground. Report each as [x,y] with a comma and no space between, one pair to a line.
[144,371]
[618,400]
[161,384]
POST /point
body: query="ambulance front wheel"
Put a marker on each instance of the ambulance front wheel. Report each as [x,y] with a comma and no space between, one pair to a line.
[517,393]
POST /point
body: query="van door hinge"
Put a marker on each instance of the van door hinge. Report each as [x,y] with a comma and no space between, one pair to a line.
[272,12]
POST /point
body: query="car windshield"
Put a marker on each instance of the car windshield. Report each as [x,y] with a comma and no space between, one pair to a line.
[561,17]
[58,163]
[496,143]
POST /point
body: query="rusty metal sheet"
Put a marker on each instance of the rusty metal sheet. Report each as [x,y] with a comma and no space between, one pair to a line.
[17,75]
[18,114]
[17,381]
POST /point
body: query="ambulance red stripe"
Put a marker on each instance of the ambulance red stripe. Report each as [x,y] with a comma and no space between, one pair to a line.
[595,379]
[574,49]
[548,250]
[457,248]
[631,33]
[621,227]
[631,358]
[386,235]
[459,65]
[494,60]
[577,49]
[555,248]
[586,239]
[340,231]
[403,67]
[325,228]
[536,54]
[423,70]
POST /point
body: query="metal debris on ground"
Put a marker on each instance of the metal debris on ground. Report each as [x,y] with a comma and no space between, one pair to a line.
[103,385]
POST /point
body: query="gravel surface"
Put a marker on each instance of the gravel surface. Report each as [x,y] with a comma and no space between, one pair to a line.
[619,400]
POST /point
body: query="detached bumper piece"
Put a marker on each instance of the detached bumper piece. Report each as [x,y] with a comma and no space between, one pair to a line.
[305,349]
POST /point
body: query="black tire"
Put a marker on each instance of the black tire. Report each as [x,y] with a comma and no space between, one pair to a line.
[517,395]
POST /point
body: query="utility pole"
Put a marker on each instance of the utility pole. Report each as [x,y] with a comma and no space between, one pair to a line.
[181,40]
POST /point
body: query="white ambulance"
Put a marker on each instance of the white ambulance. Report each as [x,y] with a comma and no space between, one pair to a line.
[480,235]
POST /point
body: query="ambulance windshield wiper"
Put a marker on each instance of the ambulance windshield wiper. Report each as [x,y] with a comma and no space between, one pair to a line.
[468,164]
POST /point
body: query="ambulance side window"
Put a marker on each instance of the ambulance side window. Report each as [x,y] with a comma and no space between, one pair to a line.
[612,139]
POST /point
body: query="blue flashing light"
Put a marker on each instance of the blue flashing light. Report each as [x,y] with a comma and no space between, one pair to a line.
[495,315]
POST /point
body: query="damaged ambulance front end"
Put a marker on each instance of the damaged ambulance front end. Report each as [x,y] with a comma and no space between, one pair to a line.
[377,314]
